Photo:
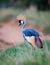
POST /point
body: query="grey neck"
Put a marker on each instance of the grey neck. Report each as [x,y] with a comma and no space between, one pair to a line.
[24,25]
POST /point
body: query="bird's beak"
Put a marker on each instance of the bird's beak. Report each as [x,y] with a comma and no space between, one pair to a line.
[19,24]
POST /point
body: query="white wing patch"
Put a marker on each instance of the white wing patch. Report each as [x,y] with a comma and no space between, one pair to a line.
[31,40]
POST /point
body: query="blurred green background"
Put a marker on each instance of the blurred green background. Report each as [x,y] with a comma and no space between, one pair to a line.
[37,13]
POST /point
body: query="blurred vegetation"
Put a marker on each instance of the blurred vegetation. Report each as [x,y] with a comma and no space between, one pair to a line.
[47,29]
[26,55]
[41,4]
[6,18]
[7,14]
[34,17]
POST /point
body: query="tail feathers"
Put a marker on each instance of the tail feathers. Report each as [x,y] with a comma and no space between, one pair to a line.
[38,42]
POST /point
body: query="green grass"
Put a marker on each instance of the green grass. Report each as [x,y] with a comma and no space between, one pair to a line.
[26,55]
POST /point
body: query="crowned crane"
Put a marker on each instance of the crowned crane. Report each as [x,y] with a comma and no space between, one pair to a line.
[30,35]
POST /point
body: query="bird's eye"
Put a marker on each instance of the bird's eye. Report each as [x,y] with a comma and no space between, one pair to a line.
[19,21]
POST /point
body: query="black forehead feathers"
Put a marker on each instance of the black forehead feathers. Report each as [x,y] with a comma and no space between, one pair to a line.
[19,21]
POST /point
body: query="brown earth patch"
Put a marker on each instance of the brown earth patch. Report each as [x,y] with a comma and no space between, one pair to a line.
[11,35]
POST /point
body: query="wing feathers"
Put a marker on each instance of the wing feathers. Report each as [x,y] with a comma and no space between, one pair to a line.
[38,42]
[31,40]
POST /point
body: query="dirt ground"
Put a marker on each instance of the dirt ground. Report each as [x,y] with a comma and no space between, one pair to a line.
[11,35]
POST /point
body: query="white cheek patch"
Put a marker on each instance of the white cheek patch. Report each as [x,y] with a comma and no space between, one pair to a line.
[21,22]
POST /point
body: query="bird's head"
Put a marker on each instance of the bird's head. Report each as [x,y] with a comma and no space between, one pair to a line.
[21,20]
